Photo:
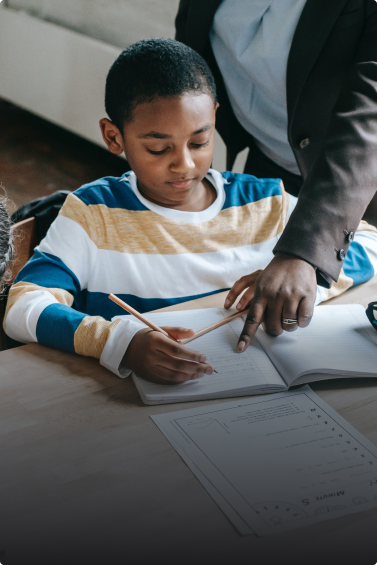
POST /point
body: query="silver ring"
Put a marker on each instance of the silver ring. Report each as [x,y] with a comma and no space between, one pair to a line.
[289,321]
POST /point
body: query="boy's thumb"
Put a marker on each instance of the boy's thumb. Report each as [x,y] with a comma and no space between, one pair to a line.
[179,333]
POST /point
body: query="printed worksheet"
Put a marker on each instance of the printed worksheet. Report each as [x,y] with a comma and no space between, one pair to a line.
[276,462]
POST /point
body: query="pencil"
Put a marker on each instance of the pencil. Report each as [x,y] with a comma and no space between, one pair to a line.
[215,325]
[142,318]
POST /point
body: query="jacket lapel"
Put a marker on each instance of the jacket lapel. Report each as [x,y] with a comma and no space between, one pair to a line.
[199,21]
[317,20]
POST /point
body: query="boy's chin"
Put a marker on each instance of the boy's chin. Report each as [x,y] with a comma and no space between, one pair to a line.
[183,186]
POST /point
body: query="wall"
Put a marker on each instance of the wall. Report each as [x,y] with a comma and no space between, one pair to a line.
[116,22]
[59,74]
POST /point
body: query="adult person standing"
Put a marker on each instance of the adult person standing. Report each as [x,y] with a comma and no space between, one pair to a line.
[297,84]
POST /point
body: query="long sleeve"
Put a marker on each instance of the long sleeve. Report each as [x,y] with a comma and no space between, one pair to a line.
[106,239]
[359,266]
[332,124]
[360,263]
[40,304]
[343,179]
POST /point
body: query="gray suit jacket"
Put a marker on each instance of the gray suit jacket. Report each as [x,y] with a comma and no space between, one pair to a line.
[332,120]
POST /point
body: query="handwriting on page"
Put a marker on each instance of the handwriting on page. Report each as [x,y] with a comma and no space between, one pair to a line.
[249,369]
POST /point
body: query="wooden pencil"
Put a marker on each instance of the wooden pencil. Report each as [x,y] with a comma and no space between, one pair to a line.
[140,317]
[215,325]
[145,320]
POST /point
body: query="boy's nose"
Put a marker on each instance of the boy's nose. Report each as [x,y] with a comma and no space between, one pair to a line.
[182,161]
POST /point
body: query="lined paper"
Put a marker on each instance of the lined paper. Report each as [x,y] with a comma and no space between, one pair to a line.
[238,373]
[339,340]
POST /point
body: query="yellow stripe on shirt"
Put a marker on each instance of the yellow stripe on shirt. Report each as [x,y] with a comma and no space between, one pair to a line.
[92,334]
[341,285]
[145,232]
[364,226]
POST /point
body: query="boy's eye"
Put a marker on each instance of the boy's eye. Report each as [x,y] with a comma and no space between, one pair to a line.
[197,145]
[157,152]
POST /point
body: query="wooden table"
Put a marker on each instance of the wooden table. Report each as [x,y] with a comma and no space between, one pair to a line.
[87,478]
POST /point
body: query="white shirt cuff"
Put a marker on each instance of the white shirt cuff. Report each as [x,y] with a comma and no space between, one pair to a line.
[321,295]
[117,344]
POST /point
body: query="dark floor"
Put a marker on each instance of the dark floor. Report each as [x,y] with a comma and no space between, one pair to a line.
[38,158]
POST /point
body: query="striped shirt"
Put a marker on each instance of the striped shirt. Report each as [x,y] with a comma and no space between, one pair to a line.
[109,238]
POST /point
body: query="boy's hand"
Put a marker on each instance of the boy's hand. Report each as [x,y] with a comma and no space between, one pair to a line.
[285,289]
[157,358]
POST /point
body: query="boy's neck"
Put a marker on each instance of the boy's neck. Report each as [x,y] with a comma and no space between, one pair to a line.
[201,197]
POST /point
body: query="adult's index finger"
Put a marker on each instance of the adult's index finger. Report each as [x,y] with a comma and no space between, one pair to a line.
[253,320]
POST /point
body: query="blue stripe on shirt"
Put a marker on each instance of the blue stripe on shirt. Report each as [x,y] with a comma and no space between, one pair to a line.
[56,326]
[117,193]
[98,303]
[49,271]
[111,192]
[357,264]
[247,188]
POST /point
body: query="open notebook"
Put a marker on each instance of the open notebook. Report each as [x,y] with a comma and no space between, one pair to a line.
[339,342]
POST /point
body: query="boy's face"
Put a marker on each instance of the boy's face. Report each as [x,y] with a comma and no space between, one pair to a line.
[169,146]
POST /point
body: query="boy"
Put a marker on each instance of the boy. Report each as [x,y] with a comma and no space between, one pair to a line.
[170,230]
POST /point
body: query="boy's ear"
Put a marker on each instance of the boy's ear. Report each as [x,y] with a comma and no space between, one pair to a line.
[111,136]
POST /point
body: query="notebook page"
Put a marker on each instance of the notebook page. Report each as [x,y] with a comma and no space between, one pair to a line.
[339,340]
[235,371]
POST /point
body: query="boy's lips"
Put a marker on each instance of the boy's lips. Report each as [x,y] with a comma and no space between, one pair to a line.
[183,183]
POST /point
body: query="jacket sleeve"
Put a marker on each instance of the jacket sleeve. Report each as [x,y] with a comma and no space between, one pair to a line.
[359,266]
[360,263]
[343,179]
[39,307]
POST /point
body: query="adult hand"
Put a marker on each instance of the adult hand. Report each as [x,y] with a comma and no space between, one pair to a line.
[285,289]
[161,360]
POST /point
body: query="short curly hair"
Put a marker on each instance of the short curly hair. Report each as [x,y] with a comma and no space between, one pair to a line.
[150,69]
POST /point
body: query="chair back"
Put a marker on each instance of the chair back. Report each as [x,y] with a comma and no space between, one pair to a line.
[25,240]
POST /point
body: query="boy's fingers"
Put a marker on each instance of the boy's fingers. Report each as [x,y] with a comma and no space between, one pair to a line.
[178,333]
[254,318]
[183,366]
[169,377]
[169,347]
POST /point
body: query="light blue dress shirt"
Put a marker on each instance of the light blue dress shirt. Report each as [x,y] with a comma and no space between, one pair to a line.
[251,40]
